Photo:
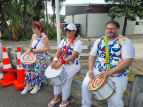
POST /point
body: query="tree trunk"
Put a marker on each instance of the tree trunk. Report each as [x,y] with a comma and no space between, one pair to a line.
[25,17]
[124,28]
[47,30]
[3,21]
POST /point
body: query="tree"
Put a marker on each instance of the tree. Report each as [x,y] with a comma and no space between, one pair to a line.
[54,7]
[14,19]
[20,13]
[3,24]
[128,8]
[36,7]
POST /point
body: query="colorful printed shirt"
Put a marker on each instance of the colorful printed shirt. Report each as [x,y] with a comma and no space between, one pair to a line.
[119,49]
[76,46]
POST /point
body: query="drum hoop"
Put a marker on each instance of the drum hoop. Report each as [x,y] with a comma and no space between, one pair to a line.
[57,75]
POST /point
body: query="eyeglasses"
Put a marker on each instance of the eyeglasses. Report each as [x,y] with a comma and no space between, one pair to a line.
[111,28]
[67,30]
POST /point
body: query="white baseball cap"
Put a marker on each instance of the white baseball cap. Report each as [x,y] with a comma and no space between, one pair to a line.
[70,26]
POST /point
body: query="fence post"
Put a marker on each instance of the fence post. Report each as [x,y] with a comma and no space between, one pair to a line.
[137,92]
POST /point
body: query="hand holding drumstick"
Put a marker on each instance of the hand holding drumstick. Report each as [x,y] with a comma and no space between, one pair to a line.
[29,50]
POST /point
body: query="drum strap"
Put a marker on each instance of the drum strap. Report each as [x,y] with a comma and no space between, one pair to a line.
[38,41]
[67,48]
[107,54]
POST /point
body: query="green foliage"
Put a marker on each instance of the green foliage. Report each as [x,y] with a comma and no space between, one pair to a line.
[23,37]
[126,8]
[52,30]
[14,13]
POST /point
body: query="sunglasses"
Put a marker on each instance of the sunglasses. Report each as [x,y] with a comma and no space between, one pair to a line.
[67,30]
[33,28]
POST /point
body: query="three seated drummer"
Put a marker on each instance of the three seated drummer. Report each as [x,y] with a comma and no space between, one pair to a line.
[109,59]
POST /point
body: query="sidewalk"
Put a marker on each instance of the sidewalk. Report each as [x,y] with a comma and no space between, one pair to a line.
[9,97]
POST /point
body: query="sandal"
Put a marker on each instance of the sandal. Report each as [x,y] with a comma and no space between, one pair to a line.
[62,105]
[53,103]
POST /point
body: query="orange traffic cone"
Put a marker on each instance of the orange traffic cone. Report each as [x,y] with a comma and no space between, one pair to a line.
[19,83]
[8,78]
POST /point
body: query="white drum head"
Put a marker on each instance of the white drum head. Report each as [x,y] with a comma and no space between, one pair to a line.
[51,73]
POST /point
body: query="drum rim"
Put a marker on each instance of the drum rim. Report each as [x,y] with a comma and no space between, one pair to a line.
[99,87]
[55,76]
[28,63]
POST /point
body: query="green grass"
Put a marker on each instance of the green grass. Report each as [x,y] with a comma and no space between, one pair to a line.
[132,74]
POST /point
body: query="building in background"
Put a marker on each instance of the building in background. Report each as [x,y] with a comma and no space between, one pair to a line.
[92,19]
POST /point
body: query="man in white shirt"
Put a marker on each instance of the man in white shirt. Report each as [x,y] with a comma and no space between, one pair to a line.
[121,55]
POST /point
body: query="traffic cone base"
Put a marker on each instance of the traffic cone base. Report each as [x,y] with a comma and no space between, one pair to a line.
[18,86]
[5,84]
[8,78]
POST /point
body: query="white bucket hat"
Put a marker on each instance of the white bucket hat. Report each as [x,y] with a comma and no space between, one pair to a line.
[70,26]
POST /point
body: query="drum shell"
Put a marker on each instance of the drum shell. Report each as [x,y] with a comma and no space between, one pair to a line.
[27,66]
[59,79]
[104,91]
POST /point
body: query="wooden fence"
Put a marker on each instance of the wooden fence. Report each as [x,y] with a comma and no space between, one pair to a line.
[135,87]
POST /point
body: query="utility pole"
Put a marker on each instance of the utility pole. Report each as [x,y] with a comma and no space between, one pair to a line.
[58,22]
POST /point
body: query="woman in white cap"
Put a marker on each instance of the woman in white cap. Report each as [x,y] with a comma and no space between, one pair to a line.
[70,61]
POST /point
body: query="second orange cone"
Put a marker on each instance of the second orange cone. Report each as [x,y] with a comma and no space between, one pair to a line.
[19,83]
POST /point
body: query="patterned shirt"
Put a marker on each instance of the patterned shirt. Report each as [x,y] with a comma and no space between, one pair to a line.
[76,45]
[115,54]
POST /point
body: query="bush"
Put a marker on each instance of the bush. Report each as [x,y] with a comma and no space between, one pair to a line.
[22,36]
[52,30]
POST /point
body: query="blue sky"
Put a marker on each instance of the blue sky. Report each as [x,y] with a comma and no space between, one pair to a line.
[73,2]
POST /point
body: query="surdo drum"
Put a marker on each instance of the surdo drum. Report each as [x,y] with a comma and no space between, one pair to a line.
[56,77]
[101,88]
[27,61]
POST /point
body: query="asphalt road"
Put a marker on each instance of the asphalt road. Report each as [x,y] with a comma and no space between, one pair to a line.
[9,97]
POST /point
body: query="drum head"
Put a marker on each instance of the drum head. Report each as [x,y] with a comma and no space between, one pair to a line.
[51,73]
[96,83]
[27,58]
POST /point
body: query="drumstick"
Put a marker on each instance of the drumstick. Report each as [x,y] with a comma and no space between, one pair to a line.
[28,46]
[1,41]
[90,83]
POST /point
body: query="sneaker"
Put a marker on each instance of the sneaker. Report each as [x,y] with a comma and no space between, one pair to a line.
[35,89]
[1,76]
[26,89]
